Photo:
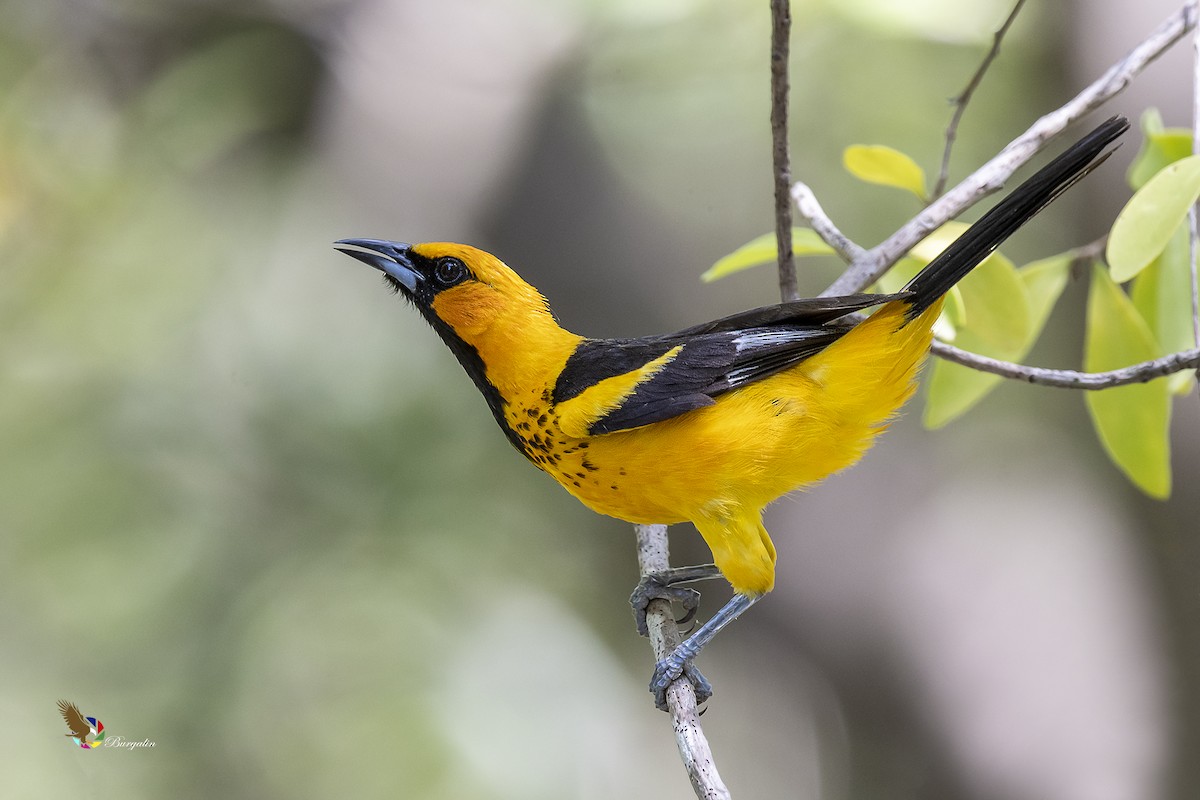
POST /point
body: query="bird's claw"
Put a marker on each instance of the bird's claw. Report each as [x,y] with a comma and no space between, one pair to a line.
[655,587]
[669,670]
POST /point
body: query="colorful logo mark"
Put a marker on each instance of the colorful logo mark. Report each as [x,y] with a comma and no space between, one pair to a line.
[81,727]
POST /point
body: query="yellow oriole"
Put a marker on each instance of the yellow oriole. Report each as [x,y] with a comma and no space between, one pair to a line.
[712,423]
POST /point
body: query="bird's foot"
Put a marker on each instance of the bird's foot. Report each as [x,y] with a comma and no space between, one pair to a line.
[654,587]
[661,586]
[669,670]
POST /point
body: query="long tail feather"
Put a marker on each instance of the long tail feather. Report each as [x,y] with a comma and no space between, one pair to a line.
[1010,214]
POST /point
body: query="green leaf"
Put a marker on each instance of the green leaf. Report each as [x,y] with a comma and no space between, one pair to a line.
[1151,121]
[876,163]
[998,323]
[1132,421]
[1044,281]
[996,305]
[901,273]
[764,250]
[1160,147]
[1162,294]
[954,390]
[955,312]
[1149,219]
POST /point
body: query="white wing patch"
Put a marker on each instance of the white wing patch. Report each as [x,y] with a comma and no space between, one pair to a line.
[753,340]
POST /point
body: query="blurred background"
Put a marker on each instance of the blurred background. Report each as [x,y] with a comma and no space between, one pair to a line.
[253,512]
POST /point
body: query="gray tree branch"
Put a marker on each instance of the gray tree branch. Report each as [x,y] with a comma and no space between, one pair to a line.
[1070,379]
[866,268]
[653,556]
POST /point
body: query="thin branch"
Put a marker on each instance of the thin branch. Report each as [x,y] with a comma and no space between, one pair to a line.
[1193,223]
[819,221]
[681,696]
[781,26]
[865,270]
[1070,379]
[964,97]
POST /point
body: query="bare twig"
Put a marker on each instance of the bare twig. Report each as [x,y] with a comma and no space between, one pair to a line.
[681,697]
[781,26]
[1193,224]
[819,221]
[865,270]
[1070,379]
[964,97]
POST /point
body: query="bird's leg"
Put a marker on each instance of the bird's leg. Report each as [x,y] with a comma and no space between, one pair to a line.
[679,662]
[661,586]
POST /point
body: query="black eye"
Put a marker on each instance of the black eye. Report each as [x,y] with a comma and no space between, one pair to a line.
[449,271]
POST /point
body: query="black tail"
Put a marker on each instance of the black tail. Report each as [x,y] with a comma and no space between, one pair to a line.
[1011,213]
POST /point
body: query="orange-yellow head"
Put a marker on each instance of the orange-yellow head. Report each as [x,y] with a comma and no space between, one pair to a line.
[459,289]
[498,326]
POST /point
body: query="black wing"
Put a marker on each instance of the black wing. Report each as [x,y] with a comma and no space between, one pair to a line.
[708,364]
[809,311]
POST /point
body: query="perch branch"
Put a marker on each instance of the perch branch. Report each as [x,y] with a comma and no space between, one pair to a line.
[681,696]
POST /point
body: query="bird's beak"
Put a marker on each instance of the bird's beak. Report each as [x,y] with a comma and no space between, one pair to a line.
[390,258]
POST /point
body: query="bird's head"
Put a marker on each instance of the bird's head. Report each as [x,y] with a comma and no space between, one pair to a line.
[454,285]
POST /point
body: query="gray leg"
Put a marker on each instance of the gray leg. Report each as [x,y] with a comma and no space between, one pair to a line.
[679,661]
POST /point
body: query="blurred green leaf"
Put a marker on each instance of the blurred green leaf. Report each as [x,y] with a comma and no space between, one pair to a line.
[1044,281]
[1162,294]
[1160,147]
[1133,422]
[1151,121]
[886,166]
[901,273]
[1151,216]
[997,310]
[954,389]
[998,323]
[763,250]
[954,313]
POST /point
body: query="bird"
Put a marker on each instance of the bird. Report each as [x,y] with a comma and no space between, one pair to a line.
[80,729]
[711,423]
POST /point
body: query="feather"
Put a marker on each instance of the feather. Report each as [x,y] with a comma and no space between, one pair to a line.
[703,367]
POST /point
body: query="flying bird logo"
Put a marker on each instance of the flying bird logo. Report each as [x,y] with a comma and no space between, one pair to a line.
[81,727]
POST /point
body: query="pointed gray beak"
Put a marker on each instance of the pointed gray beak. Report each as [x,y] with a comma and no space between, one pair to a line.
[390,258]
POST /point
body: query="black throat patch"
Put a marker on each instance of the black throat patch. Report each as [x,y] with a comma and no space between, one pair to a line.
[468,356]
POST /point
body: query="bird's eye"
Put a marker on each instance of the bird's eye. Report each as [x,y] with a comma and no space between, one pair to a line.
[449,271]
